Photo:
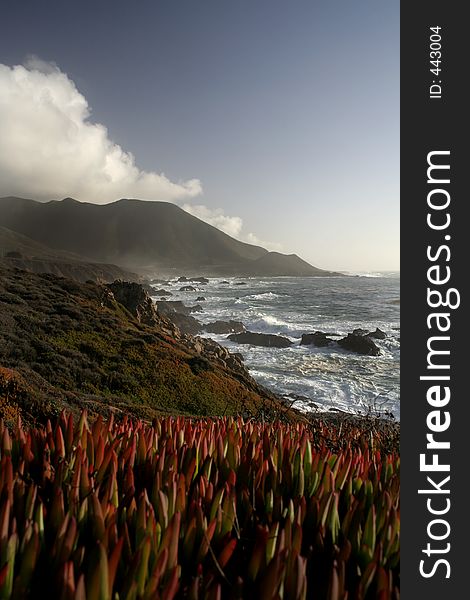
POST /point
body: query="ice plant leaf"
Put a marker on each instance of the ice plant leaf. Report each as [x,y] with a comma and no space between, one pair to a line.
[97,586]
[113,563]
[124,509]
[226,554]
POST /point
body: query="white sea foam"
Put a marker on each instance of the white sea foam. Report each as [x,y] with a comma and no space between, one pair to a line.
[262,296]
[320,378]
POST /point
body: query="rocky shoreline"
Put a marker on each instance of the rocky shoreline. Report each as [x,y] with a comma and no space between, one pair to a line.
[189,318]
[113,348]
[360,341]
[136,299]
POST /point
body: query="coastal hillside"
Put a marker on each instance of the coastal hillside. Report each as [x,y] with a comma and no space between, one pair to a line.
[19,251]
[66,345]
[274,264]
[148,237]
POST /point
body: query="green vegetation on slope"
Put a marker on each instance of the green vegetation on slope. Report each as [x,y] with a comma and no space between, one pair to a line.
[69,345]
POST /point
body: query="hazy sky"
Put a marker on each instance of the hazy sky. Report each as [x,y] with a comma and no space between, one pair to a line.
[278,121]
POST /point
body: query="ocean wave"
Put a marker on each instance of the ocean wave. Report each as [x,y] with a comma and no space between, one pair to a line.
[264,322]
[262,296]
[326,377]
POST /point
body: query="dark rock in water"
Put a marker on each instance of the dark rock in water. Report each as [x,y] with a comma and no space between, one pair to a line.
[240,283]
[221,327]
[362,344]
[225,282]
[261,339]
[200,299]
[195,308]
[360,331]
[187,288]
[162,292]
[378,334]
[317,339]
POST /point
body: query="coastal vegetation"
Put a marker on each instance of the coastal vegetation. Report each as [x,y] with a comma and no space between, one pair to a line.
[196,508]
[65,344]
[137,461]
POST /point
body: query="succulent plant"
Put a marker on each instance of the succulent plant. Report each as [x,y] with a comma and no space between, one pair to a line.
[196,508]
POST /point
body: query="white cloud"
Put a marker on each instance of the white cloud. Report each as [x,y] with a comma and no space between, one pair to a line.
[50,149]
[216,217]
[232,226]
[251,238]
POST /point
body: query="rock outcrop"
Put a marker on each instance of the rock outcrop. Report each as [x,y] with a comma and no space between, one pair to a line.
[360,331]
[179,314]
[168,306]
[137,301]
[180,326]
[221,327]
[317,339]
[362,344]
[261,339]
[378,334]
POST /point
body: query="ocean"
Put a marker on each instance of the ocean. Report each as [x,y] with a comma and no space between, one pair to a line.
[312,378]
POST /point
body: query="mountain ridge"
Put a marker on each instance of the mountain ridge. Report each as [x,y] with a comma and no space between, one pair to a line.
[145,236]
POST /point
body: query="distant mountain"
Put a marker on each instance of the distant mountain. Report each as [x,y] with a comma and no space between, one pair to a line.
[150,237]
[275,264]
[17,250]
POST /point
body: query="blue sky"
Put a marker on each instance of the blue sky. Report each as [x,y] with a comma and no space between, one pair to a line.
[286,112]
